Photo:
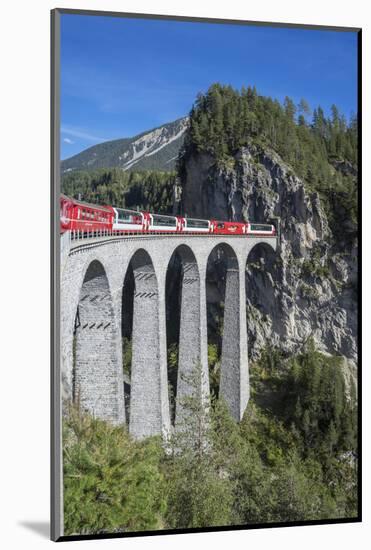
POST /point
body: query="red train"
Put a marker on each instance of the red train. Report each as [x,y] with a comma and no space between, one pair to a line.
[84,218]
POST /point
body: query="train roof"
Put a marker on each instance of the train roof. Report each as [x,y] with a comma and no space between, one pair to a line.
[87,204]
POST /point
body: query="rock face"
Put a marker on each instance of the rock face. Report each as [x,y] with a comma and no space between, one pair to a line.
[308,289]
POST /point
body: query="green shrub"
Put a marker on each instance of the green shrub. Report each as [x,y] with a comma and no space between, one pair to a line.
[293,457]
[111,483]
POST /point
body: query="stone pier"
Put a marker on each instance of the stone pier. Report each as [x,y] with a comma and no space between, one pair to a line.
[192,335]
[234,373]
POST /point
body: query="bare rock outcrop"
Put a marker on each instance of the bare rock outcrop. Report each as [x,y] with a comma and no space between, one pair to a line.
[308,288]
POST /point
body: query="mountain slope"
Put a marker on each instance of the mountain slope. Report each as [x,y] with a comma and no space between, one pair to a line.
[156,149]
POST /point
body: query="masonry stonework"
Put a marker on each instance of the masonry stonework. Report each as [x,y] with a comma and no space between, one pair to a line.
[96,268]
[192,342]
[234,372]
[145,398]
[97,380]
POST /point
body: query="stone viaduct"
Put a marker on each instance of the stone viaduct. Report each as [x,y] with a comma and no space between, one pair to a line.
[92,280]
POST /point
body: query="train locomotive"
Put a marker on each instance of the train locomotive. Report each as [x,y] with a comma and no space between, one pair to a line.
[93,220]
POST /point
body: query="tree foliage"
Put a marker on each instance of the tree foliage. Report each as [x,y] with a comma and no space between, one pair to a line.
[322,150]
[111,483]
[224,119]
[147,190]
[198,495]
[292,458]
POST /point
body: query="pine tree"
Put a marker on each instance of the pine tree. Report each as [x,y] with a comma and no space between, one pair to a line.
[304,108]
[197,495]
[110,482]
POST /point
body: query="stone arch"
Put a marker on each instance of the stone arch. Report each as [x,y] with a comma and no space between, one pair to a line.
[192,350]
[260,270]
[126,307]
[234,373]
[97,375]
[260,274]
[149,414]
[261,249]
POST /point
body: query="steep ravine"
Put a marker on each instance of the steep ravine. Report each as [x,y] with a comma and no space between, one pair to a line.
[308,288]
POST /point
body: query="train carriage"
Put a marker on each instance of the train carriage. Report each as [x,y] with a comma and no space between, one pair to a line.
[228,228]
[261,229]
[163,223]
[92,219]
[84,217]
[193,225]
[128,220]
[65,213]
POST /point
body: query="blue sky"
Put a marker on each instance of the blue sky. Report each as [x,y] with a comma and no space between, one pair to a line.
[120,77]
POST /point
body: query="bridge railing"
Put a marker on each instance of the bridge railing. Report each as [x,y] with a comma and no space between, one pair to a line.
[76,235]
[82,235]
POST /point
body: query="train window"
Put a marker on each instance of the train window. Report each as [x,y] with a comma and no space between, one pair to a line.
[260,227]
[128,216]
[220,225]
[197,224]
[164,221]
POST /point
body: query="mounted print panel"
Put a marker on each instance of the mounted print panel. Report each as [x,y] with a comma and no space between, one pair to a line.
[205,200]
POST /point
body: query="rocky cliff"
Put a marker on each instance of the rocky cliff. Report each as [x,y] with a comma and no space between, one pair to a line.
[309,287]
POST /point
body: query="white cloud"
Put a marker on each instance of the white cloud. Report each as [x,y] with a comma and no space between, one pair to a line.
[77,132]
[68,140]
